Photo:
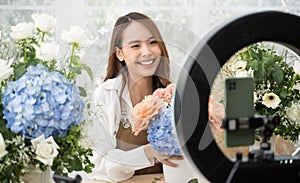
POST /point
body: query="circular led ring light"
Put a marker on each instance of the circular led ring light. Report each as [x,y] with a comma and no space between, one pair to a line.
[194,86]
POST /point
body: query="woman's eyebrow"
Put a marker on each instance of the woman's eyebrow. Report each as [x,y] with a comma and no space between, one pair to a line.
[134,41]
[138,41]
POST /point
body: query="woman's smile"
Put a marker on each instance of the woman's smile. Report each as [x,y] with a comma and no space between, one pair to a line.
[146,63]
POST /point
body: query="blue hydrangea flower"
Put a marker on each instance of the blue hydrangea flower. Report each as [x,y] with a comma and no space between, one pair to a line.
[42,102]
[160,133]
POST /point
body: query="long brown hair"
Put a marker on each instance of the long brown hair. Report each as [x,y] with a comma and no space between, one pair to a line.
[115,67]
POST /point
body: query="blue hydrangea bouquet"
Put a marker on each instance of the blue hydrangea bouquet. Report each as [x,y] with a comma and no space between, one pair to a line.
[155,114]
[42,103]
[42,108]
[160,132]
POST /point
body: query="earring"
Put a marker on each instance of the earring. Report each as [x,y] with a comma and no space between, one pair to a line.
[121,59]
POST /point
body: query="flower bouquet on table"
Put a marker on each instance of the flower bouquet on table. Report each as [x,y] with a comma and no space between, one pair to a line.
[155,114]
[41,109]
[276,84]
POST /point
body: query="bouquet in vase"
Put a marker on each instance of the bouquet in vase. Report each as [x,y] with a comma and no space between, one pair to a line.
[41,110]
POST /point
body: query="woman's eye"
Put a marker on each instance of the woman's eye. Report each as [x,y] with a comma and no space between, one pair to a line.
[135,46]
[153,42]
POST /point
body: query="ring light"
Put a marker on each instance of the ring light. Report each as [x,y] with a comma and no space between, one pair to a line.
[194,86]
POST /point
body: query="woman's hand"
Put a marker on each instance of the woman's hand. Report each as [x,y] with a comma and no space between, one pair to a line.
[163,158]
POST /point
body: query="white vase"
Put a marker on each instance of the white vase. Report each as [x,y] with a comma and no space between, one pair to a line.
[36,176]
[181,174]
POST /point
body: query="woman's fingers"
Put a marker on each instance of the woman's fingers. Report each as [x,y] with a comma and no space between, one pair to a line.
[169,163]
[176,157]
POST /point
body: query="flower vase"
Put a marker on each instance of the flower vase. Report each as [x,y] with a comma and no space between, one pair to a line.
[181,174]
[37,176]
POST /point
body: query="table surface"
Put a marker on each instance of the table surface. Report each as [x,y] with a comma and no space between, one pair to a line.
[148,178]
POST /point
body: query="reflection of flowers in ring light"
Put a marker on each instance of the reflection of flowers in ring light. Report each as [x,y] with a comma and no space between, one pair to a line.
[276,76]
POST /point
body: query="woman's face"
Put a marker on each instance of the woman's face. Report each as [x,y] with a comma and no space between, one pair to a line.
[140,51]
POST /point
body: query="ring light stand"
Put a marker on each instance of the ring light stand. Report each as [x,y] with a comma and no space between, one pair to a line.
[194,86]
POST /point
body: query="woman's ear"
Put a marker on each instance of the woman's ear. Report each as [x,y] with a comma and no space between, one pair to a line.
[119,54]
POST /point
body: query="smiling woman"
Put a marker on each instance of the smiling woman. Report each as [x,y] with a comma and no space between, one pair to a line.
[139,50]
[138,64]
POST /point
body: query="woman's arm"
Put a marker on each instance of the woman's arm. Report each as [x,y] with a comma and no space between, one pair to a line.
[111,164]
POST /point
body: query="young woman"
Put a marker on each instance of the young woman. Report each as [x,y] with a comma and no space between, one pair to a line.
[138,64]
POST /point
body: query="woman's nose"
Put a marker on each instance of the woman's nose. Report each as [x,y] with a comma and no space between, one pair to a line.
[145,50]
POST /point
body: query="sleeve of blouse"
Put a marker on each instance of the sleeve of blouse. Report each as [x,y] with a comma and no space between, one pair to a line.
[111,164]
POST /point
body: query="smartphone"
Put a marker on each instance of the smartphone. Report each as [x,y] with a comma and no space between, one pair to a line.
[239,104]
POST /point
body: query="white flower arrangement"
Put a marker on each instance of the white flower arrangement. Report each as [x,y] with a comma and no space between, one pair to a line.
[42,109]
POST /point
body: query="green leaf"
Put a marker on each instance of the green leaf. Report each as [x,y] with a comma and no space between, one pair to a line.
[75,59]
[156,179]
[257,56]
[277,75]
[76,164]
[277,58]
[88,70]
[193,180]
[20,70]
[76,70]
[254,65]
[82,91]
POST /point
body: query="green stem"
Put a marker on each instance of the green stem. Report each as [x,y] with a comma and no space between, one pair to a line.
[43,36]
[272,49]
[71,75]
[24,50]
[72,52]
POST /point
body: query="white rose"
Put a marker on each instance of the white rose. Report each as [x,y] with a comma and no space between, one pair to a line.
[296,67]
[5,70]
[3,152]
[45,149]
[293,113]
[297,86]
[22,31]
[43,22]
[243,73]
[251,72]
[75,35]
[37,140]
[239,65]
[47,51]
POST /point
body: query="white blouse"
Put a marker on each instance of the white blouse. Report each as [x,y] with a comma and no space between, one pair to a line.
[111,164]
